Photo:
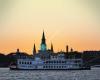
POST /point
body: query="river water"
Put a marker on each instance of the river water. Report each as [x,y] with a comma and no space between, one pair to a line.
[6,74]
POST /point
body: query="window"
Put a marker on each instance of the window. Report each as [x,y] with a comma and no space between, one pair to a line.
[46,67]
[22,62]
[30,62]
[54,61]
[62,61]
[59,66]
[51,66]
[43,66]
[46,61]
[59,61]
[51,62]
[19,62]
[27,63]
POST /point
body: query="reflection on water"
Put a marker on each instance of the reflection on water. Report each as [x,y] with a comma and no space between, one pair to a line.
[6,74]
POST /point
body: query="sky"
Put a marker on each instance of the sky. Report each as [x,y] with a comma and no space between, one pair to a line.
[65,22]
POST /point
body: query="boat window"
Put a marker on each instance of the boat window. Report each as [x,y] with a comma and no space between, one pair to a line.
[43,66]
[62,61]
[59,66]
[27,62]
[51,61]
[19,62]
[54,61]
[22,62]
[46,61]
[46,66]
[59,61]
[30,62]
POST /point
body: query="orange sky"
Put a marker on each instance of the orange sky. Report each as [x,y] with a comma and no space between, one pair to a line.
[72,22]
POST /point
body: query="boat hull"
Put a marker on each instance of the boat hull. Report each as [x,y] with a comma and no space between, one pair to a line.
[52,69]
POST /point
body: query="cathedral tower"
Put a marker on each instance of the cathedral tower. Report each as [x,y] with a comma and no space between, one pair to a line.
[34,50]
[43,43]
[52,47]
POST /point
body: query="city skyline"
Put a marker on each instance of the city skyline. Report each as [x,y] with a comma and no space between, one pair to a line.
[43,46]
[65,22]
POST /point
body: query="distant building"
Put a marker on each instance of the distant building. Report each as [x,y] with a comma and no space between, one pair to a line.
[45,53]
[21,55]
[91,57]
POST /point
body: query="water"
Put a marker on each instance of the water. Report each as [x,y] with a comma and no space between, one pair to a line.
[6,74]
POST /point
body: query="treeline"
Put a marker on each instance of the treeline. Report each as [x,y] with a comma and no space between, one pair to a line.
[6,60]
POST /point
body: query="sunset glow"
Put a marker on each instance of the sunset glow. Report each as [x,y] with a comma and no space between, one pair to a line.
[65,22]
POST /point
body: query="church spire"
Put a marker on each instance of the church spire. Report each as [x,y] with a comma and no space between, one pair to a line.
[43,42]
[43,38]
[51,47]
[34,49]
